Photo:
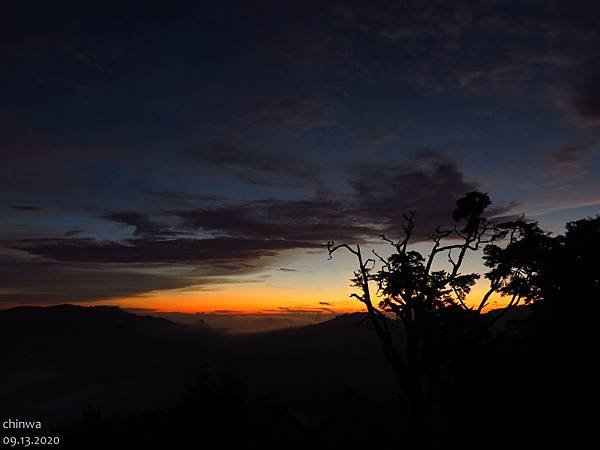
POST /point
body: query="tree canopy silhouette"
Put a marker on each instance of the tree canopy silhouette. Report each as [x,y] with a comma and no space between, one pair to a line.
[418,304]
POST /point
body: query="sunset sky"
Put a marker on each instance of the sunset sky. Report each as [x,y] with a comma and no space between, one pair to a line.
[195,157]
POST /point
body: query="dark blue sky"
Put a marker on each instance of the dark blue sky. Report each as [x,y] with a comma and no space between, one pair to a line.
[243,132]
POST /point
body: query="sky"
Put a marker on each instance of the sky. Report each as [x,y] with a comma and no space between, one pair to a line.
[196,156]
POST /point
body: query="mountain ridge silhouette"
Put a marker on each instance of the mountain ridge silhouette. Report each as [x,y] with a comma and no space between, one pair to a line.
[65,358]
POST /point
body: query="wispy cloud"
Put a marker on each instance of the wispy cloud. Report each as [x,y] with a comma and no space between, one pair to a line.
[583,103]
[28,208]
[225,252]
[142,224]
[248,163]
[75,232]
[569,161]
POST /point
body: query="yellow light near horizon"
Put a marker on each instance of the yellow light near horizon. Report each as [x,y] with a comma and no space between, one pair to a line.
[316,284]
[244,299]
[494,302]
[255,298]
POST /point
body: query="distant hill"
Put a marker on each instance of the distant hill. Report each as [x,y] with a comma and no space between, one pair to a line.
[31,323]
[240,322]
[194,319]
[306,365]
[57,360]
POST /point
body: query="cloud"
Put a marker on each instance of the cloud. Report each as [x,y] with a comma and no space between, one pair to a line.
[293,111]
[75,232]
[228,253]
[569,160]
[27,147]
[374,203]
[28,208]
[253,144]
[287,269]
[304,310]
[180,198]
[475,47]
[430,187]
[26,280]
[386,193]
[379,138]
[79,270]
[584,104]
[249,161]
[21,143]
[313,220]
[142,224]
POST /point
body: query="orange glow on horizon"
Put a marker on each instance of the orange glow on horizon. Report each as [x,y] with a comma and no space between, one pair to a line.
[257,299]
[247,299]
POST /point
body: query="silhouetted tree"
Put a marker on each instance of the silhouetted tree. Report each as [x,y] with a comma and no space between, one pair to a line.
[534,265]
[419,301]
[549,355]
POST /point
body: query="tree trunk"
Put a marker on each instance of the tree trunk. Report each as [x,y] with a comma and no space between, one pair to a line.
[414,385]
